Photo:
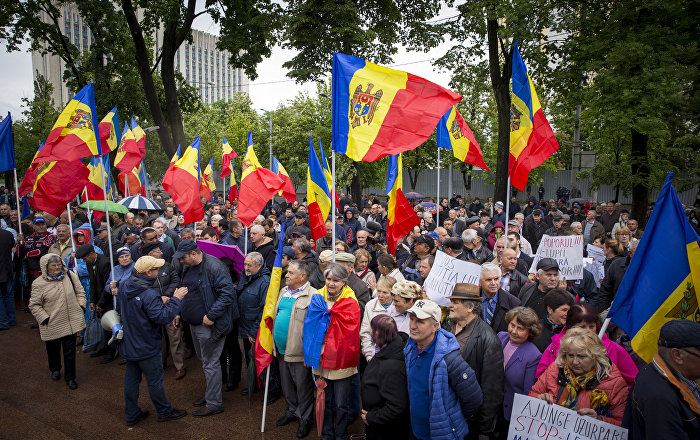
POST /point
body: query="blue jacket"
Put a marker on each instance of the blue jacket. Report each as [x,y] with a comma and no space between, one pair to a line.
[142,314]
[217,290]
[121,274]
[455,394]
[251,292]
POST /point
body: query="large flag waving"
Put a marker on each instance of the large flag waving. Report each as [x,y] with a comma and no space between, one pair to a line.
[317,195]
[75,134]
[207,185]
[663,278]
[140,137]
[329,175]
[454,134]
[94,184]
[263,341]
[128,154]
[379,111]
[401,217]
[532,140]
[288,192]
[7,144]
[110,136]
[53,184]
[258,185]
[181,181]
[227,156]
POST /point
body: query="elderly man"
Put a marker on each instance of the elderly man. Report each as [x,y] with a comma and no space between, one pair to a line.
[426,265]
[609,217]
[422,246]
[210,309]
[302,251]
[288,327]
[361,289]
[664,401]
[557,221]
[131,236]
[495,301]
[263,245]
[63,245]
[547,278]
[428,224]
[163,234]
[577,228]
[633,226]
[442,235]
[443,389]
[512,279]
[454,247]
[474,243]
[482,350]
[326,242]
[592,229]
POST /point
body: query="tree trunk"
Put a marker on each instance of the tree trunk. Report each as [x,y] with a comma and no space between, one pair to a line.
[167,73]
[413,178]
[149,87]
[640,169]
[500,82]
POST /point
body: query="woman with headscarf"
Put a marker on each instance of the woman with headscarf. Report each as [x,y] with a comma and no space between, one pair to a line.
[58,303]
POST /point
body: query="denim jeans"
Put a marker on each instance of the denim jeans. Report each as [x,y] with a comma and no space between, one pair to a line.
[152,369]
[338,407]
[7,305]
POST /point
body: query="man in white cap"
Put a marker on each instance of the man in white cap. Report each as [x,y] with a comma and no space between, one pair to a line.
[440,380]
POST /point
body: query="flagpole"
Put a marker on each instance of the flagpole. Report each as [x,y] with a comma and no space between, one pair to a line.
[333,198]
[604,327]
[438,186]
[70,223]
[109,227]
[19,212]
[508,203]
[87,203]
[245,241]
[267,387]
[225,191]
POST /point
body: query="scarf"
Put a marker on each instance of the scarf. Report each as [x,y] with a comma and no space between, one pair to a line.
[55,277]
[361,275]
[575,384]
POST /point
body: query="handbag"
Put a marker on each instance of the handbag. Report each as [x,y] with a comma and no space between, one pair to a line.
[94,339]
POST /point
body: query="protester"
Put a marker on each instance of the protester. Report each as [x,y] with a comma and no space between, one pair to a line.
[473,242]
[423,246]
[557,302]
[664,401]
[57,303]
[404,295]
[443,390]
[143,312]
[251,292]
[584,379]
[359,287]
[387,267]
[121,271]
[63,245]
[547,278]
[385,399]
[8,316]
[33,247]
[381,305]
[495,302]
[263,245]
[362,258]
[512,280]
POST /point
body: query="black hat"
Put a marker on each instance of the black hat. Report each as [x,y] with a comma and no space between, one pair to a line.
[184,248]
[84,250]
[547,263]
[557,217]
[472,220]
[680,333]
[426,240]
[300,214]
[537,212]
[373,227]
[131,230]
[101,228]
[148,247]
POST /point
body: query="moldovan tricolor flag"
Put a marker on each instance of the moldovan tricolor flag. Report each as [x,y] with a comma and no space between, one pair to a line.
[93,187]
[258,185]
[110,135]
[454,134]
[227,156]
[532,140]
[207,185]
[317,195]
[133,179]
[140,137]
[401,218]
[663,279]
[288,192]
[232,188]
[75,134]
[329,175]
[263,342]
[181,181]
[128,154]
[379,111]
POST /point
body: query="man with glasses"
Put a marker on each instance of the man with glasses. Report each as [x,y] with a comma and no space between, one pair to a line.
[664,401]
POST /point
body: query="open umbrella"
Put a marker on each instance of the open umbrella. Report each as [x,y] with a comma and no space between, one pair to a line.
[429,207]
[320,403]
[99,205]
[223,250]
[413,195]
[140,202]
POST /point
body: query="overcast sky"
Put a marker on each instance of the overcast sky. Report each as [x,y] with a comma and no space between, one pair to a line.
[268,91]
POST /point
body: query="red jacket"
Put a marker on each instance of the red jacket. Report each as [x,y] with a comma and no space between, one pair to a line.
[613,385]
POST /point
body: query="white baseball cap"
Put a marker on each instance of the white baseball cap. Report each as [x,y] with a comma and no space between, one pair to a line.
[424,308]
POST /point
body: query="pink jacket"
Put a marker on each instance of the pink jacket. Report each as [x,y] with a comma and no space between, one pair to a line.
[618,355]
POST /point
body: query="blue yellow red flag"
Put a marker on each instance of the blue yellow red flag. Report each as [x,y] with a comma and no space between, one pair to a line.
[258,186]
[288,192]
[7,144]
[663,279]
[232,188]
[181,181]
[329,175]
[110,135]
[94,184]
[75,133]
[532,140]
[207,185]
[318,196]
[130,184]
[139,135]
[227,156]
[454,134]
[379,111]
[57,183]
[128,154]
[401,218]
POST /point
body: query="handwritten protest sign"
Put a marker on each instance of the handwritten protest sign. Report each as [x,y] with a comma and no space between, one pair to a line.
[567,250]
[596,253]
[535,419]
[446,272]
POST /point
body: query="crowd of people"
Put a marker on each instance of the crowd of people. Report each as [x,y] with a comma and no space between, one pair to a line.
[355,320]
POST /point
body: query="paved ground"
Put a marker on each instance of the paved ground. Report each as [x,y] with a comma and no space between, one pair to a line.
[33,406]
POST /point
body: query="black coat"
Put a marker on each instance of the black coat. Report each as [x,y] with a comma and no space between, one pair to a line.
[316,279]
[268,251]
[385,394]
[531,296]
[167,280]
[549,329]
[517,281]
[656,409]
[99,272]
[608,288]
[7,242]
[505,302]
[533,232]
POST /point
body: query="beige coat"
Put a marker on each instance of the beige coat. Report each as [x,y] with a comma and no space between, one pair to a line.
[294,351]
[58,301]
[56,249]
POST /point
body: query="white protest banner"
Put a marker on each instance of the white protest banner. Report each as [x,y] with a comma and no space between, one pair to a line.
[535,419]
[596,253]
[595,268]
[446,272]
[567,250]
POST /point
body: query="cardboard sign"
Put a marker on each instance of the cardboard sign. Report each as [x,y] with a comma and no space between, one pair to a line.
[446,272]
[596,253]
[567,250]
[535,419]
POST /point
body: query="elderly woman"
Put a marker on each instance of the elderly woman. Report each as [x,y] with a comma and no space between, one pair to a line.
[520,355]
[404,293]
[58,303]
[362,258]
[381,305]
[584,379]
[585,316]
[384,384]
[122,271]
[341,246]
[331,342]
[214,223]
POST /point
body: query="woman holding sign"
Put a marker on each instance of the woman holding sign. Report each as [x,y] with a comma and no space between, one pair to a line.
[584,379]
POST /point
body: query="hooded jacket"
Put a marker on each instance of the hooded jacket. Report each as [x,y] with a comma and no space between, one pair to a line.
[492,235]
[251,292]
[62,302]
[143,313]
[268,251]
